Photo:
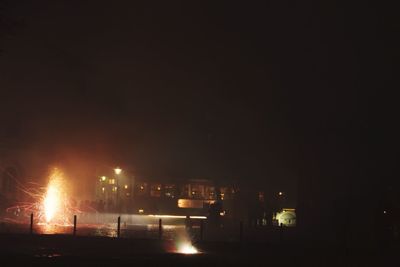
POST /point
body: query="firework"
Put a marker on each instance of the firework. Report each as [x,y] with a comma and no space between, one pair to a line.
[50,204]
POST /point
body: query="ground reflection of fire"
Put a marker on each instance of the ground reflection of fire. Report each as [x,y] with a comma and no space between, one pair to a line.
[50,204]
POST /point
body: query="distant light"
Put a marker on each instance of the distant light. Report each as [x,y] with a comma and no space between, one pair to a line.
[126,186]
[103,178]
[384,212]
[117,170]
[141,187]
[222,213]
[280,193]
[159,188]
[141,210]
[193,192]
[103,189]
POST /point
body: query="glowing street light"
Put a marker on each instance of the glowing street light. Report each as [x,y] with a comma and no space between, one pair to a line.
[280,193]
[117,171]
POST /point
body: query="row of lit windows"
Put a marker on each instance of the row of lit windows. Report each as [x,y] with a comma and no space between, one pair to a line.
[188,191]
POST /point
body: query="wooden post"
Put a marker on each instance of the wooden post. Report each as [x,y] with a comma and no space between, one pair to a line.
[74,224]
[201,230]
[241,231]
[31,227]
[159,229]
[119,227]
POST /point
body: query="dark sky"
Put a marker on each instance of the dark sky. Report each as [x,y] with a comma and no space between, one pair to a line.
[264,92]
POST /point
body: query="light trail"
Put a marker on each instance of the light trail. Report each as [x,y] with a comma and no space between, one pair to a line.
[177,216]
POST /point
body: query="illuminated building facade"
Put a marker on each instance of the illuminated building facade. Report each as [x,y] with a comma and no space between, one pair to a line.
[151,196]
[193,197]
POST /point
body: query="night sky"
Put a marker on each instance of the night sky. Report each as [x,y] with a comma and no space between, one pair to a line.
[268,93]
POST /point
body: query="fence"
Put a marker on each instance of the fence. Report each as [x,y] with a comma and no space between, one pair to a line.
[152,227]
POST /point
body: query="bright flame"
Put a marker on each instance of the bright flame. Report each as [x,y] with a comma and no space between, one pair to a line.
[55,201]
[51,201]
[187,248]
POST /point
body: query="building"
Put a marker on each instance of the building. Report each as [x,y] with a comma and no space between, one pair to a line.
[163,196]
[286,217]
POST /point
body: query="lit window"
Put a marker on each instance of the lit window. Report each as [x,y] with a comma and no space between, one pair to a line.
[103,189]
[142,189]
[169,190]
[190,203]
[111,181]
[141,210]
[155,190]
[126,186]
[103,178]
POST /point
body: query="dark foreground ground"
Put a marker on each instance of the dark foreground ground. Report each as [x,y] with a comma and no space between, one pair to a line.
[66,250]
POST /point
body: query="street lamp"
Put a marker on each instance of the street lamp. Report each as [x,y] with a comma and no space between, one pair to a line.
[117,172]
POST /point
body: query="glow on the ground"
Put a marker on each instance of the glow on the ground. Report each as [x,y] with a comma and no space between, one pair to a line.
[187,248]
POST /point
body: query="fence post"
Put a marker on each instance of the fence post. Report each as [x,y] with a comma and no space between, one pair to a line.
[31,227]
[241,231]
[159,229]
[119,227]
[201,230]
[74,224]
